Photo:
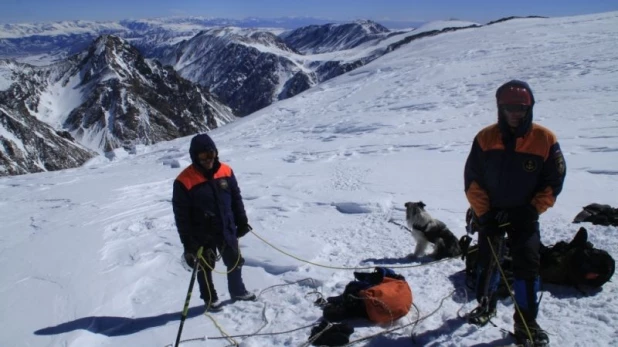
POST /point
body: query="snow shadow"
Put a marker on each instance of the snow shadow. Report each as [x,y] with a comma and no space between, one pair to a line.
[399,260]
[446,329]
[389,341]
[566,292]
[118,326]
[272,269]
[351,208]
[464,294]
[505,341]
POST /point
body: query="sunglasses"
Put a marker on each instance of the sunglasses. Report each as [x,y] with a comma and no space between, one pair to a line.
[205,156]
[515,108]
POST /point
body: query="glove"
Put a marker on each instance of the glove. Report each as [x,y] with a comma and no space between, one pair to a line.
[523,215]
[189,259]
[493,223]
[243,230]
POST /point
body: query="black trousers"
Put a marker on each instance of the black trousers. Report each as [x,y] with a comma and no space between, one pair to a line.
[524,246]
[233,261]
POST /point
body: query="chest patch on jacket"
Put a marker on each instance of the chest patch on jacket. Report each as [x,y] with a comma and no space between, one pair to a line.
[223,184]
[530,165]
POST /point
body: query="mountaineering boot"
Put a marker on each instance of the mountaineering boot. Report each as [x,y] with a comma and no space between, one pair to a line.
[488,278]
[538,335]
[481,315]
[526,312]
[213,306]
[247,296]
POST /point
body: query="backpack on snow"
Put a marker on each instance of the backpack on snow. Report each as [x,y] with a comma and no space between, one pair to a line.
[598,214]
[576,263]
[381,296]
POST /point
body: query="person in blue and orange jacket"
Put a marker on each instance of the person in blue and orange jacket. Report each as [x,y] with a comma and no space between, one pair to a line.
[514,172]
[209,212]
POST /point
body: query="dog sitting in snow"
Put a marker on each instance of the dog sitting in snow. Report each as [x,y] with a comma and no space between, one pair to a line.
[425,230]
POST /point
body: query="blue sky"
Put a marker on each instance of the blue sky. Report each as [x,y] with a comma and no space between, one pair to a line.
[18,11]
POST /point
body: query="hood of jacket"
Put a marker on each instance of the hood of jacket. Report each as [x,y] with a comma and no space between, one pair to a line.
[203,143]
[526,123]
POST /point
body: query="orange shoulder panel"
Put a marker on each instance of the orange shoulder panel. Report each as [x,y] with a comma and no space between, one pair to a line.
[190,177]
[538,141]
[490,138]
[224,171]
[478,199]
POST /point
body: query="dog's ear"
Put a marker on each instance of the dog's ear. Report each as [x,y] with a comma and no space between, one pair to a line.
[408,204]
[421,204]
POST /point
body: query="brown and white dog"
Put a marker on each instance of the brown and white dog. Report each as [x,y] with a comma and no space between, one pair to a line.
[425,230]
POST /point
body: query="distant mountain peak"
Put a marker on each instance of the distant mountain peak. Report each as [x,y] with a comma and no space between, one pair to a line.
[333,37]
[371,27]
[111,57]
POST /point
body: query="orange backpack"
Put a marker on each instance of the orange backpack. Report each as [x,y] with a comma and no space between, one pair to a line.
[387,301]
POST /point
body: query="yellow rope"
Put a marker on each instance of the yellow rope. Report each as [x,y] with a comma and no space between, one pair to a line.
[223,333]
[508,287]
[202,260]
[213,267]
[346,268]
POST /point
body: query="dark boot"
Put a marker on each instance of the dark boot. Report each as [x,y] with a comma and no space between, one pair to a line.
[481,315]
[533,335]
[247,296]
[484,312]
[237,288]
[213,305]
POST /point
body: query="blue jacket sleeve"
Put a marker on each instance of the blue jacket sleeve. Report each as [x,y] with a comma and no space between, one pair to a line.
[238,208]
[182,214]
[552,179]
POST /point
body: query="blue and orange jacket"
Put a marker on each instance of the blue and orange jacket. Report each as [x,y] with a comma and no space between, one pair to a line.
[507,169]
[207,204]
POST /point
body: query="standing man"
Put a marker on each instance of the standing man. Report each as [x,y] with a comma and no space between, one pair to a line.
[514,172]
[209,212]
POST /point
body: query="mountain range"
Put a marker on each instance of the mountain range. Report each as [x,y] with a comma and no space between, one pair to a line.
[106,86]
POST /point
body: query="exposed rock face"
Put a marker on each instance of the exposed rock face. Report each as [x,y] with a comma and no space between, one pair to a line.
[246,69]
[104,98]
[134,100]
[29,145]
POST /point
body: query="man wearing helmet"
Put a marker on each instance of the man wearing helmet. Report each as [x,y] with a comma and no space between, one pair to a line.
[514,172]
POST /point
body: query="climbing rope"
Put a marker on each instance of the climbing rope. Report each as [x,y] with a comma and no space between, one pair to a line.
[347,268]
[230,338]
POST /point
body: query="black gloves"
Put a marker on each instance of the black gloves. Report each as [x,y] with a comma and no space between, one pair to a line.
[243,230]
[524,215]
[496,222]
[190,258]
[493,222]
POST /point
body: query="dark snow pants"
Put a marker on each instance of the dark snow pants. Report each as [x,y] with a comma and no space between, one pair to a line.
[524,247]
[232,259]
